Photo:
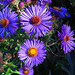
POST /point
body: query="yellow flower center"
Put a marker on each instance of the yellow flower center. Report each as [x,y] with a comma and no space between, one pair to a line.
[32,52]
[26,72]
[35,20]
[4,22]
[65,14]
[66,38]
[55,8]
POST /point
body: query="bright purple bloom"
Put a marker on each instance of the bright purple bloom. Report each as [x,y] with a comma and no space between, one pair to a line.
[35,19]
[60,11]
[26,71]
[66,36]
[5,3]
[43,2]
[8,22]
[32,52]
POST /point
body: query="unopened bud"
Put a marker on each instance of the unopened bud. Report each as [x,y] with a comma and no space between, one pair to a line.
[21,4]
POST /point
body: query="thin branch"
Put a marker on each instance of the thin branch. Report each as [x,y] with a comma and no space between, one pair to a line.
[52,43]
[54,53]
[17,9]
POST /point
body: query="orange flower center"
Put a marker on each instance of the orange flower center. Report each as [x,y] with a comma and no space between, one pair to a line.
[66,38]
[4,22]
[32,52]
[35,20]
[26,71]
[58,9]
[55,7]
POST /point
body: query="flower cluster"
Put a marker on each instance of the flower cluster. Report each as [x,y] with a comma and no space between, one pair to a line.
[37,21]
[60,12]
[66,36]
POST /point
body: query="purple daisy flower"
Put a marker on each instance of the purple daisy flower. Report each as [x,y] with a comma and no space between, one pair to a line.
[5,3]
[25,70]
[35,19]
[32,51]
[43,2]
[8,22]
[60,11]
[66,36]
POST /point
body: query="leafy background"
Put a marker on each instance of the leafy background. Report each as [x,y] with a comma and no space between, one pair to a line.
[56,63]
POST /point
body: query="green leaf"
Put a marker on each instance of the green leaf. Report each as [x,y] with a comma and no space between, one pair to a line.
[17,40]
[11,64]
[8,71]
[65,69]
[16,48]
[2,73]
[16,72]
[20,34]
[11,39]
[70,61]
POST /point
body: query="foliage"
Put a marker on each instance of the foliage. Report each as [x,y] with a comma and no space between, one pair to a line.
[57,63]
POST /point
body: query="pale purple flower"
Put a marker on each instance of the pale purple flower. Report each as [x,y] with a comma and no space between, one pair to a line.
[36,19]
[66,36]
[32,52]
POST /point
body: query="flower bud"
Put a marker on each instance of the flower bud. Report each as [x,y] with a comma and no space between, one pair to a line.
[21,4]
